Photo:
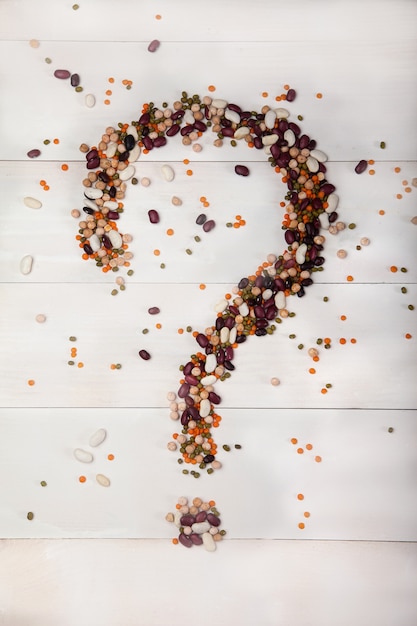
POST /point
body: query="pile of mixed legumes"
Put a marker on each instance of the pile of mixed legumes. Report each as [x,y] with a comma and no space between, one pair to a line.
[198,523]
[260,299]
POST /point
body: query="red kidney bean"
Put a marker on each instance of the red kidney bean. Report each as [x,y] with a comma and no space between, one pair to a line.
[361,166]
[214,397]
[201,340]
[154,45]
[229,322]
[275,151]
[173,130]
[229,353]
[159,142]
[227,132]
[185,540]
[183,390]
[261,323]
[220,356]
[93,163]
[229,365]
[234,107]
[144,354]
[319,260]
[209,458]
[124,156]
[242,170]
[91,154]
[271,312]
[87,249]
[213,519]
[196,539]
[75,80]
[294,127]
[306,282]
[291,94]
[106,242]
[154,310]
[201,517]
[304,141]
[289,263]
[201,219]
[219,323]
[289,236]
[200,126]
[259,311]
[327,189]
[62,74]
[333,217]
[193,412]
[233,309]
[191,380]
[187,368]
[187,520]
[148,143]
[209,225]
[177,114]
[144,119]
[103,177]
[32,154]
[153,216]
[185,417]
[113,215]
[187,130]
[241,339]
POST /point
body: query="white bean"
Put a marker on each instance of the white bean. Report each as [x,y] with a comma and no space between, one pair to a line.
[208,380]
[26,264]
[168,173]
[90,100]
[98,437]
[208,542]
[103,480]
[127,173]
[83,455]
[32,203]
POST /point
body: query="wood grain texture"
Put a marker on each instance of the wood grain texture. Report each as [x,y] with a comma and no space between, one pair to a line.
[103,556]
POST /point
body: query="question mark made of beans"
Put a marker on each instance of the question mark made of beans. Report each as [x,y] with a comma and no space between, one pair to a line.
[259,299]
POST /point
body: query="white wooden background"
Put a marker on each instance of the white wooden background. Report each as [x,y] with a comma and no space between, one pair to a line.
[102,556]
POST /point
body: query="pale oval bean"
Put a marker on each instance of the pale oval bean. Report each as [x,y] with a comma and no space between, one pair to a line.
[83,455]
[32,203]
[90,100]
[26,264]
[103,480]
[168,173]
[98,437]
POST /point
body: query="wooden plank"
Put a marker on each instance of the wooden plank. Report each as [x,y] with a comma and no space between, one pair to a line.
[363,488]
[250,582]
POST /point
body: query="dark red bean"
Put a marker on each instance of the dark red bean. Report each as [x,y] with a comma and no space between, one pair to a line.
[209,225]
[229,366]
[259,311]
[153,216]
[154,310]
[62,74]
[185,540]
[291,94]
[227,132]
[154,45]
[289,236]
[148,143]
[113,215]
[333,217]
[187,130]
[32,154]
[201,340]
[201,219]
[220,356]
[93,163]
[173,130]
[295,128]
[209,458]
[187,520]
[144,354]
[214,397]
[191,379]
[219,323]
[271,312]
[159,142]
[361,166]
[183,390]
[177,114]
[327,189]
[87,249]
[242,170]
[75,80]
[144,119]
[106,242]
[196,539]
[200,126]
[187,369]
[213,519]
[229,353]
[304,141]
[201,517]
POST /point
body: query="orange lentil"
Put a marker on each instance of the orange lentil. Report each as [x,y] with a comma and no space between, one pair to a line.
[301,525]
[112,366]
[46,187]
[327,340]
[306,514]
[300,496]
[111,79]
[343,317]
[319,95]
[158,16]
[294,440]
[109,92]
[371,162]
[353,340]
[349,278]
[393,269]
[324,391]
[80,364]
[309,446]
[342,340]
[110,457]
[31,382]
[371,172]
[157,252]
[211,88]
[42,183]
[404,182]
[381,212]
[158,325]
[82,479]
[212,502]
[180,331]
[408,336]
[265,94]
[286,87]
[170,231]
[317,459]
[397,169]
[56,141]
[399,196]
[175,541]
[189,172]
[202,286]
[407,189]
[312,370]
[106,101]
[64,167]
[300,451]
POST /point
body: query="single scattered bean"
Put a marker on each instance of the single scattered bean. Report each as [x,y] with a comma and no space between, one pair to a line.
[63,74]
[154,45]
[103,480]
[98,437]
[242,170]
[26,264]
[153,216]
[32,203]
[361,166]
[144,354]
[209,225]
[83,455]
[32,154]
